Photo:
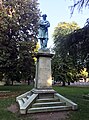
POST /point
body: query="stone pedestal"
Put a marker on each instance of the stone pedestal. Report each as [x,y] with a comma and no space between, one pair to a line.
[43,78]
[42,98]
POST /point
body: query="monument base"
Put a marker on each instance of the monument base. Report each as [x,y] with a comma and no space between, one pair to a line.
[43,98]
[43,77]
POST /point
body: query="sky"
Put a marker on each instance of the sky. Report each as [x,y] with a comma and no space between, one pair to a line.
[58,11]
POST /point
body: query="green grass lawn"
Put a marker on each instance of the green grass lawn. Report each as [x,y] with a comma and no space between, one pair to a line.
[15,88]
[73,93]
[76,95]
[6,102]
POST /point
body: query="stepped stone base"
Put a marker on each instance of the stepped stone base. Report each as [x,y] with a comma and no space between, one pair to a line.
[43,90]
[48,109]
[44,100]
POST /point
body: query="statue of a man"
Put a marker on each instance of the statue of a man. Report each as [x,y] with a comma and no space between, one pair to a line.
[43,31]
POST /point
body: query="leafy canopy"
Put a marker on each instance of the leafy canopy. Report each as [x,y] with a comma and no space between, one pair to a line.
[63,63]
[18,31]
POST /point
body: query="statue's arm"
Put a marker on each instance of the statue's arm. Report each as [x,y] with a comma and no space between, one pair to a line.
[41,23]
[47,24]
[44,24]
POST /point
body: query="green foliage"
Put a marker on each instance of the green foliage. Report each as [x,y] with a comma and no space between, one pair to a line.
[26,64]
[64,28]
[77,45]
[83,74]
[63,64]
[60,37]
[18,31]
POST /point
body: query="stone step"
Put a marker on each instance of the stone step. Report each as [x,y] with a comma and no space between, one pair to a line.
[29,93]
[28,96]
[20,102]
[47,100]
[25,99]
[29,101]
[68,102]
[24,105]
[48,109]
[48,104]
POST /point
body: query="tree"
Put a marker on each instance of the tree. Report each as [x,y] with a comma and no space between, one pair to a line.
[26,63]
[80,4]
[80,39]
[60,37]
[84,73]
[0,4]
[82,34]
[63,63]
[18,24]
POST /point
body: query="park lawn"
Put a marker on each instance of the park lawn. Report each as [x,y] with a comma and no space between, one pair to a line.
[76,95]
[73,93]
[6,102]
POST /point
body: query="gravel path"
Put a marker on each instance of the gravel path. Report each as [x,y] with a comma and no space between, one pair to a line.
[40,116]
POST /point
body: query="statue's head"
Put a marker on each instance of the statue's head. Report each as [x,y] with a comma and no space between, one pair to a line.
[44,16]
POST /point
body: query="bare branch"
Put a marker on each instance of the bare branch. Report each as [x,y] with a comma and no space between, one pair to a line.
[79,4]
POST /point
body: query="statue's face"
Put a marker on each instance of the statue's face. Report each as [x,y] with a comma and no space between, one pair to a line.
[44,17]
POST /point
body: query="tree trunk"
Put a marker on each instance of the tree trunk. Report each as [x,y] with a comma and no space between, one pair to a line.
[28,82]
[63,83]
[29,79]
[12,82]
[84,79]
[7,82]
[0,4]
[68,83]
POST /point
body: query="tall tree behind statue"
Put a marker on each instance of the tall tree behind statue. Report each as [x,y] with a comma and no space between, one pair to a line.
[18,25]
[63,64]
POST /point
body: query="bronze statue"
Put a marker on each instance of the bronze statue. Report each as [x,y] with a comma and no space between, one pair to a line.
[43,31]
